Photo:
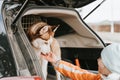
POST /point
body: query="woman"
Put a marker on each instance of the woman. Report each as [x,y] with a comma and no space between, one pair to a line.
[108,65]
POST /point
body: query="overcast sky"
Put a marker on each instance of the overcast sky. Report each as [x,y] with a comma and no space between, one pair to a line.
[109,10]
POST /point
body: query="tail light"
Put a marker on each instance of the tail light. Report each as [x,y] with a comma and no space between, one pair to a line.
[37,78]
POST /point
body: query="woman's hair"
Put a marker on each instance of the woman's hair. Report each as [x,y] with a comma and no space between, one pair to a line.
[33,31]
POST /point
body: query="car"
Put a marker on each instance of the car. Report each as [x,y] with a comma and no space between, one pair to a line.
[79,44]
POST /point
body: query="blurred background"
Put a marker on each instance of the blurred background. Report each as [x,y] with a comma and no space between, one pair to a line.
[105,19]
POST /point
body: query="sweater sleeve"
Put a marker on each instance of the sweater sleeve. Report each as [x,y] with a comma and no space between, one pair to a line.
[75,72]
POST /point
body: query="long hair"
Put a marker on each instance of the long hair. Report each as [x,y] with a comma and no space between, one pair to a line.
[33,31]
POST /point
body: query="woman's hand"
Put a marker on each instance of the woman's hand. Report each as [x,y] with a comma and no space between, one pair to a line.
[50,57]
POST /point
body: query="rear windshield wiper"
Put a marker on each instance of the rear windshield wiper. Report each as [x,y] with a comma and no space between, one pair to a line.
[93,10]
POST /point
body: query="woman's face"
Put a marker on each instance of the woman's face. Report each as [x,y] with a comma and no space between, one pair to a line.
[101,68]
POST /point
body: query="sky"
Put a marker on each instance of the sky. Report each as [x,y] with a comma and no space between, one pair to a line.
[109,10]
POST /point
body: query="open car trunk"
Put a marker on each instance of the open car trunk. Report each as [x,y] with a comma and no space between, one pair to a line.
[72,31]
[77,40]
